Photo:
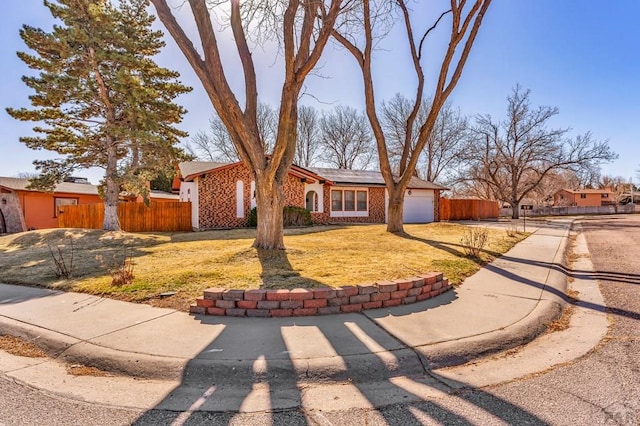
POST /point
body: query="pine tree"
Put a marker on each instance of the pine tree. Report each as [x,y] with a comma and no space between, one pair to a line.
[100,100]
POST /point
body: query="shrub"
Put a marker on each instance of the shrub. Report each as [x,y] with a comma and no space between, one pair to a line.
[252,221]
[121,271]
[293,216]
[512,231]
[63,263]
[474,240]
[296,216]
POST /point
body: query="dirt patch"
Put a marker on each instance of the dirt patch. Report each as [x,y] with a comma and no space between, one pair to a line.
[564,321]
[20,347]
[83,370]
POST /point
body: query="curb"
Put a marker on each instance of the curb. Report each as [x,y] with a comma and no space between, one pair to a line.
[548,309]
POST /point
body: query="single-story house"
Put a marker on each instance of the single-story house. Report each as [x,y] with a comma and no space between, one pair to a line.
[22,209]
[583,198]
[222,195]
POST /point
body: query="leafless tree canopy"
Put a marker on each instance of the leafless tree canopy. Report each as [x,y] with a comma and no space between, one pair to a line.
[442,150]
[361,32]
[302,29]
[214,144]
[346,139]
[307,146]
[512,157]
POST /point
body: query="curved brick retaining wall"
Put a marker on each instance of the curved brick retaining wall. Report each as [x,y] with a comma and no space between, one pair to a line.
[320,301]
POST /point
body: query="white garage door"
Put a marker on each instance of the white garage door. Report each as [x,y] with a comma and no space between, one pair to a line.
[418,207]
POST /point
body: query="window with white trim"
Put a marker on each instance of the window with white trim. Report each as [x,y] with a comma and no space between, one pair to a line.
[349,202]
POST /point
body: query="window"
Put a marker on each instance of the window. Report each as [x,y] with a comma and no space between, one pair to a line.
[336,201]
[349,201]
[63,202]
[605,195]
[583,196]
[362,201]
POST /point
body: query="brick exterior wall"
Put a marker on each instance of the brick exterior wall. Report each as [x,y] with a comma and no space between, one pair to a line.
[217,200]
[376,208]
[217,196]
[320,301]
[293,192]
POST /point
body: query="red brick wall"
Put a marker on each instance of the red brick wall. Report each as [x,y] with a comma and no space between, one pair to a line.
[293,192]
[320,301]
[376,209]
[217,196]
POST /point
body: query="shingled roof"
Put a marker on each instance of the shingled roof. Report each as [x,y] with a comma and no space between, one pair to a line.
[368,178]
[18,184]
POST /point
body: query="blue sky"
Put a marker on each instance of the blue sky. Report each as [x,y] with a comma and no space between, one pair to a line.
[580,56]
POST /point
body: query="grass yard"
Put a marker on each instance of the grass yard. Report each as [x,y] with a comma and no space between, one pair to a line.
[187,263]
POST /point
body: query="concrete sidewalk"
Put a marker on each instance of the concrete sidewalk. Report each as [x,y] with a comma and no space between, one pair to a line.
[505,304]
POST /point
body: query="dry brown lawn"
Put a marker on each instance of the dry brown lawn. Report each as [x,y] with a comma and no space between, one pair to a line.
[187,263]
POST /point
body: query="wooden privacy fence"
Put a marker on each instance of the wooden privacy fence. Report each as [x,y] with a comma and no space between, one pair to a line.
[468,209]
[134,217]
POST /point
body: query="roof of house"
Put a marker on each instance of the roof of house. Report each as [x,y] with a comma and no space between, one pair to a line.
[368,178]
[154,194]
[587,191]
[18,184]
[190,169]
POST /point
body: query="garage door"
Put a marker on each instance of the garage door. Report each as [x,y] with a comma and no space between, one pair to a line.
[418,207]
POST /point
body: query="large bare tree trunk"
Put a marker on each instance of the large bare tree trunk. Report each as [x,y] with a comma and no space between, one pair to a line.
[395,222]
[269,204]
[515,212]
[112,191]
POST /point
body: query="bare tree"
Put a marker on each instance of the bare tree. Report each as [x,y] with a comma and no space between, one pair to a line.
[302,29]
[465,21]
[443,146]
[214,145]
[308,136]
[513,157]
[346,139]
[620,187]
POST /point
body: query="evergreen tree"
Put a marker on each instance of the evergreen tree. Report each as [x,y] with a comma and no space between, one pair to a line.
[100,100]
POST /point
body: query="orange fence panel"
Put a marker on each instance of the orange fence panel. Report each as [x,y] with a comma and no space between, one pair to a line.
[134,217]
[468,209]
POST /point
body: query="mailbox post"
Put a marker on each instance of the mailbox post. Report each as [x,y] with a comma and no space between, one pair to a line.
[524,208]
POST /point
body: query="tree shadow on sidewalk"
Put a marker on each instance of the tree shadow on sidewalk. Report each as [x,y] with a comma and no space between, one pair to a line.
[258,365]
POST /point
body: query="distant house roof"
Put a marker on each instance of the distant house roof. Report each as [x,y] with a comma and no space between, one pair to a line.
[587,191]
[368,178]
[18,184]
[153,194]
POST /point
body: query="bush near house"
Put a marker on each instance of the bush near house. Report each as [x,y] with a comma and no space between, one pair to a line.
[293,216]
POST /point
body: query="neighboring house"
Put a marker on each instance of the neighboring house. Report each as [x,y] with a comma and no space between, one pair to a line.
[583,197]
[22,209]
[222,194]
